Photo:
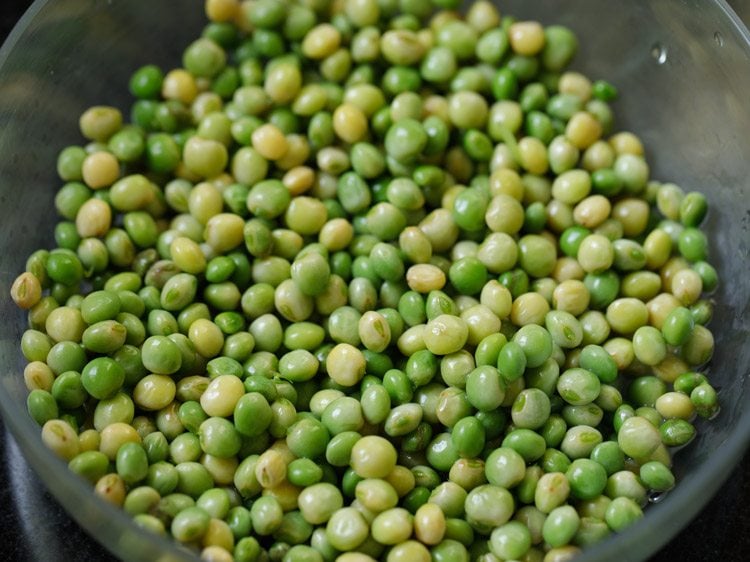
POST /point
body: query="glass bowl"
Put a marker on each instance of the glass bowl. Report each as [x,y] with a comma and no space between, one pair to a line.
[683,70]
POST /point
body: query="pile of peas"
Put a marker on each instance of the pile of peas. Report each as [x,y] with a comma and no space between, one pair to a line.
[369,280]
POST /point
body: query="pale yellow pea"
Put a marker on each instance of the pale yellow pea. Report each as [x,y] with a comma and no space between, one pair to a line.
[154,392]
[571,296]
[409,551]
[412,340]
[687,286]
[498,252]
[61,439]
[336,234]
[270,142]
[572,186]
[26,290]
[100,169]
[65,323]
[393,526]
[464,249]
[218,534]
[354,557]
[221,395]
[595,253]
[529,308]
[221,10]
[207,338]
[626,315]
[507,114]
[670,368]
[187,255]
[282,83]
[533,155]
[670,268]
[559,217]
[321,41]
[38,375]
[402,479]
[224,232]
[374,331]
[567,268]
[497,298]
[299,179]
[504,214]
[425,277]
[621,351]
[281,446]
[526,37]
[270,470]
[675,405]
[334,296]
[481,321]
[658,248]
[437,106]
[114,436]
[575,83]
[583,130]
[349,123]
[93,219]
[429,523]
[89,440]
[286,493]
[592,211]
[215,553]
[204,104]
[180,85]
[633,214]
[111,488]
[205,201]
[345,364]
[598,156]
[376,495]
[506,182]
[626,142]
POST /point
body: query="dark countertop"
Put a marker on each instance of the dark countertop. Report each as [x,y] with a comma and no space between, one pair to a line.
[35,528]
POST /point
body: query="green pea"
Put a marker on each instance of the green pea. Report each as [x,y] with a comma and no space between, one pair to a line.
[622,513]
[308,438]
[485,388]
[102,377]
[510,541]
[525,442]
[405,140]
[511,361]
[131,463]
